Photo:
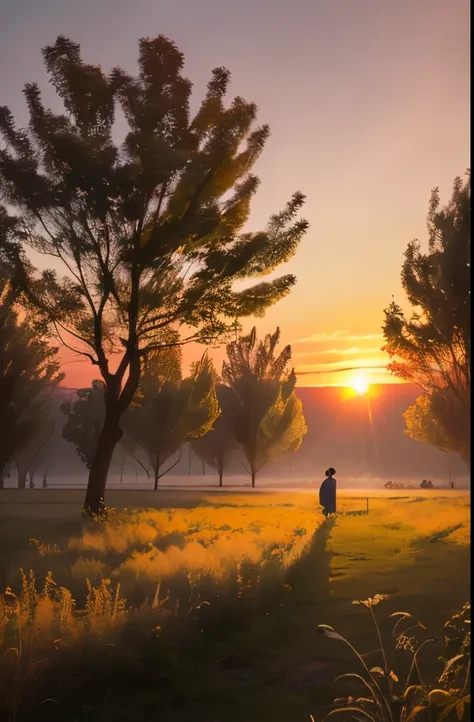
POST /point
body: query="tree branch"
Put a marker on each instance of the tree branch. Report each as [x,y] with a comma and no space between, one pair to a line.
[172,466]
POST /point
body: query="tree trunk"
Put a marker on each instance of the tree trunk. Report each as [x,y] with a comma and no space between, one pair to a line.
[221,474]
[3,473]
[254,476]
[125,455]
[466,457]
[203,469]
[109,437]
[22,477]
[157,475]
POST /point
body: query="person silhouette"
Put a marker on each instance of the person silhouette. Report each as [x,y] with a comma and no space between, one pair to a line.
[327,493]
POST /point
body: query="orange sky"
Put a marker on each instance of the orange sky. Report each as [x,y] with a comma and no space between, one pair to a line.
[369,105]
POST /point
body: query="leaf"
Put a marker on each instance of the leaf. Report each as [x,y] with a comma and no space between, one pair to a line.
[377,670]
[335,635]
[460,709]
[446,712]
[404,615]
[416,710]
[343,710]
[393,676]
[323,628]
[413,688]
[329,632]
[440,696]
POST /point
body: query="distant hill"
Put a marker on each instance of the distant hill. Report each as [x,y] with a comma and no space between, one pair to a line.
[340,434]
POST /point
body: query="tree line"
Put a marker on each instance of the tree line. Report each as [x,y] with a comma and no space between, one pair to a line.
[251,411]
[148,251]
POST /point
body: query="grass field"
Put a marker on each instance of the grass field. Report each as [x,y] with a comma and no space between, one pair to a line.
[204,606]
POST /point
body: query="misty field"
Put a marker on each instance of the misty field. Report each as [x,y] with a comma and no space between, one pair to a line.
[204,606]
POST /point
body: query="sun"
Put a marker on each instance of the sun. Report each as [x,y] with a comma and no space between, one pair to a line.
[360,384]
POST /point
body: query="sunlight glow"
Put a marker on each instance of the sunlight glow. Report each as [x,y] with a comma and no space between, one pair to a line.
[360,384]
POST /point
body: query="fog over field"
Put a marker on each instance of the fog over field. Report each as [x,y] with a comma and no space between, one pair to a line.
[366,455]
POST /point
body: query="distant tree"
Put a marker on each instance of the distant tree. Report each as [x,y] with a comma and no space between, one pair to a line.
[432,348]
[28,368]
[29,372]
[217,446]
[85,419]
[169,410]
[149,233]
[268,418]
[32,457]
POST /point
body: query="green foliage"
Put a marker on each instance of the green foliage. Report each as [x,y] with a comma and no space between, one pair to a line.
[216,447]
[423,425]
[432,348]
[387,697]
[169,410]
[85,419]
[268,418]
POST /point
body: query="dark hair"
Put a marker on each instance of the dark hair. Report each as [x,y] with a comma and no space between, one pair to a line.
[330,471]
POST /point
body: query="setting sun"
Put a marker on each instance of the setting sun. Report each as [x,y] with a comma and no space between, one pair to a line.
[360,384]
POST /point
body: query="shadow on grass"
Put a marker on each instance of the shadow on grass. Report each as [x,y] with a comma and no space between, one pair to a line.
[290,674]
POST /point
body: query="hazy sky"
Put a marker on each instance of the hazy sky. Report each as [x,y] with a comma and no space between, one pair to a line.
[368,103]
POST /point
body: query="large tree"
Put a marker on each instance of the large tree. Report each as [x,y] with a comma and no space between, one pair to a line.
[169,410]
[218,445]
[149,232]
[431,348]
[268,418]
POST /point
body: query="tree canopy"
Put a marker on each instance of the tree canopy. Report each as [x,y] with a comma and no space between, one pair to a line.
[149,232]
[432,347]
[85,419]
[268,418]
[422,424]
[217,446]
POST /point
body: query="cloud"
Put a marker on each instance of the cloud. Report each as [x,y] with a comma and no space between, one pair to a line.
[352,351]
[331,367]
[342,336]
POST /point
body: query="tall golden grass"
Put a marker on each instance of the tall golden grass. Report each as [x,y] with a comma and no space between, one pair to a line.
[164,558]
[147,567]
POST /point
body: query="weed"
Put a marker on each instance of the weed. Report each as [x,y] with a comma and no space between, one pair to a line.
[385,696]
